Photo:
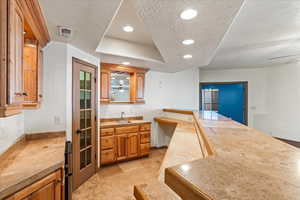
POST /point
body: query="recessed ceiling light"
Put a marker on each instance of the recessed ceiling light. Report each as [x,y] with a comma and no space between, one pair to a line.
[128,28]
[188,14]
[187,56]
[188,42]
[125,63]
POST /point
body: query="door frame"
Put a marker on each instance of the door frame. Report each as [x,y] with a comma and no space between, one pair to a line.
[96,113]
[245,83]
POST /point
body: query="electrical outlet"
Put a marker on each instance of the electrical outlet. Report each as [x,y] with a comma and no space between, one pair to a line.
[56,120]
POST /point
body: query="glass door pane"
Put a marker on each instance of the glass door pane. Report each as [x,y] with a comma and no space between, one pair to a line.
[85,118]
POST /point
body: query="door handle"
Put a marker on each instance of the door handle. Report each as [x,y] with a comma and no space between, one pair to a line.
[78,131]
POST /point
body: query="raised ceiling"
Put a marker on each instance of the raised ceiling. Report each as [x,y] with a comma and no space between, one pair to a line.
[265,33]
[127,16]
[227,34]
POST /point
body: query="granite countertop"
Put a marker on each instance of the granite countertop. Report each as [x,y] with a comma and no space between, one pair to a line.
[177,151]
[248,165]
[117,123]
[30,162]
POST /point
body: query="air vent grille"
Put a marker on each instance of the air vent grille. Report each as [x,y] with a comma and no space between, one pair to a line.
[65,32]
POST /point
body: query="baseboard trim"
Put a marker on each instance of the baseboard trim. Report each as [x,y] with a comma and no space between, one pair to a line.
[36,136]
[290,142]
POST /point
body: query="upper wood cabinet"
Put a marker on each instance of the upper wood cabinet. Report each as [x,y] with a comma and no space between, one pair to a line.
[20,62]
[133,83]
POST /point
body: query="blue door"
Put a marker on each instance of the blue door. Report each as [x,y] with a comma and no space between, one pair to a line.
[231,100]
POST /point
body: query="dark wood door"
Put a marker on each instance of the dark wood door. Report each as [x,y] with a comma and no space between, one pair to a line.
[84,124]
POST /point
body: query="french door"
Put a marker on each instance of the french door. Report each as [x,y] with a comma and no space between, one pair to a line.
[84,124]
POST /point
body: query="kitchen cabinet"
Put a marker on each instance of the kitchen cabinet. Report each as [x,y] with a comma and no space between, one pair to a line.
[140,87]
[115,90]
[130,141]
[48,188]
[15,16]
[105,86]
[133,145]
[32,64]
[121,146]
[15,54]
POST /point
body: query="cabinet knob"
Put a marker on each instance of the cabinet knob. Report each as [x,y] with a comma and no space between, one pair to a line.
[40,95]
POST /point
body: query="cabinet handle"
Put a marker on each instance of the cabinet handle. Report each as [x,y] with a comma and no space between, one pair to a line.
[18,94]
[24,94]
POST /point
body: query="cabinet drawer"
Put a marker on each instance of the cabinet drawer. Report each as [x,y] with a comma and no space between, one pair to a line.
[107,156]
[145,127]
[127,129]
[107,142]
[145,149]
[145,137]
[106,131]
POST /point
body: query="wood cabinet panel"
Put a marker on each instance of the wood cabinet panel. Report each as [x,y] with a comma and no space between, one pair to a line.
[105,86]
[121,146]
[133,145]
[31,71]
[48,188]
[145,127]
[106,131]
[144,149]
[127,129]
[15,54]
[145,137]
[107,156]
[140,86]
[107,142]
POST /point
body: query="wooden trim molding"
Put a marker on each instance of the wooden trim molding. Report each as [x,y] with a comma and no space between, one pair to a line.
[36,136]
[34,17]
[186,112]
[122,68]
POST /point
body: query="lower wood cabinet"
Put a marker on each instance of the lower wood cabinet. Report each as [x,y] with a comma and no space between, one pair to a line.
[133,145]
[129,142]
[121,146]
[50,187]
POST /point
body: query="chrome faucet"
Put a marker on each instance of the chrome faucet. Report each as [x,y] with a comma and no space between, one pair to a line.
[122,115]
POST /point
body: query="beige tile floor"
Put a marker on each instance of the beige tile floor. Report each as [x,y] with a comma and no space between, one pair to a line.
[116,182]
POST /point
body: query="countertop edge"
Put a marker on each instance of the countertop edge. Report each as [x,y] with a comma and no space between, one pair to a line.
[30,180]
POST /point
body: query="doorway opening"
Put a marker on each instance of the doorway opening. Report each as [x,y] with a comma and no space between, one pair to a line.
[227,98]
[84,125]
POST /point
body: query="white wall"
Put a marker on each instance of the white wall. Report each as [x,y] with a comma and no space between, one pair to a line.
[52,114]
[11,130]
[283,97]
[257,86]
[162,90]
[55,113]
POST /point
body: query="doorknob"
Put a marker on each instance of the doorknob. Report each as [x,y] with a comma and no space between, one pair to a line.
[78,131]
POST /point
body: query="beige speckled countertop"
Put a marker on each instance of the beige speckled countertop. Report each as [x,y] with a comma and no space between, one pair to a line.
[116,123]
[249,165]
[30,162]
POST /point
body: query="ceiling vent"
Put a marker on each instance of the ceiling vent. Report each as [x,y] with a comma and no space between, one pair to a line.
[64,32]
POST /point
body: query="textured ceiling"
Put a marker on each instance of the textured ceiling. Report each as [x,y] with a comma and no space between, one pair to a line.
[264,33]
[227,33]
[127,16]
[88,20]
[161,17]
